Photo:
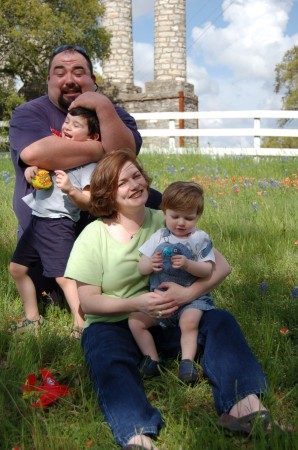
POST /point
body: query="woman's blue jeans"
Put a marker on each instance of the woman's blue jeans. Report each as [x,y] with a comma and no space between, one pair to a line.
[113,357]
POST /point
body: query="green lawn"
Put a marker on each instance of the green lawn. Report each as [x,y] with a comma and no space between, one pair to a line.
[251,215]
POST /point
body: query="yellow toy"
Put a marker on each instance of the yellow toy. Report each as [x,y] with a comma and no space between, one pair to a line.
[42,180]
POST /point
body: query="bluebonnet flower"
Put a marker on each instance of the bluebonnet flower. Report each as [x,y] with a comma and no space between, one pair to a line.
[274,183]
[255,206]
[263,287]
[295,292]
[7,177]
[213,203]
[171,169]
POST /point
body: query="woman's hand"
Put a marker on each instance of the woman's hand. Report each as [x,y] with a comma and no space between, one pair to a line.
[157,305]
[178,294]
[152,303]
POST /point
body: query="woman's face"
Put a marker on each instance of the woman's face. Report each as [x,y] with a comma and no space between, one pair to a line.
[132,187]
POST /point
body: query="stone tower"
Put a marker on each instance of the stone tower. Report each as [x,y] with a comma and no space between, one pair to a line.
[169,40]
[169,91]
[118,69]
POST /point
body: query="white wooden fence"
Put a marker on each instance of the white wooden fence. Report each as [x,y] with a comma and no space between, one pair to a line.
[254,129]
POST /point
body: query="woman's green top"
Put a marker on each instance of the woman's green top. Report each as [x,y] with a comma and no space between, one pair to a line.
[98,259]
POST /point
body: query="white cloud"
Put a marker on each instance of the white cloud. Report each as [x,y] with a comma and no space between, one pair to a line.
[142,8]
[231,65]
[246,49]
[143,63]
[199,77]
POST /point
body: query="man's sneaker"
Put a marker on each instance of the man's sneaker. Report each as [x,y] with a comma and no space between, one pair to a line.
[187,371]
[25,325]
[148,367]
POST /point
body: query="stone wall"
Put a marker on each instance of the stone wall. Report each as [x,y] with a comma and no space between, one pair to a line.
[169,91]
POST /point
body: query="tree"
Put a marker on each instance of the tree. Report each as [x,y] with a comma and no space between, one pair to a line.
[31,29]
[286,79]
[9,99]
[286,82]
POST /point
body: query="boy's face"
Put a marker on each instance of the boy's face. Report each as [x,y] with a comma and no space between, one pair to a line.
[75,128]
[181,224]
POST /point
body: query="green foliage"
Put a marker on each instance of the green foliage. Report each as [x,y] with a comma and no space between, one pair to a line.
[286,78]
[9,99]
[286,81]
[280,142]
[250,213]
[31,29]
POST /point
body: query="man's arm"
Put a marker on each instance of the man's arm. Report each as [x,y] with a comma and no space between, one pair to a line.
[53,152]
[115,133]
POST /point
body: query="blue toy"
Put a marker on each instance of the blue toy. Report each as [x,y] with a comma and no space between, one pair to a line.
[168,273]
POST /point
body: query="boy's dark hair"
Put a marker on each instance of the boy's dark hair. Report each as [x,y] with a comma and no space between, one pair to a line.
[90,116]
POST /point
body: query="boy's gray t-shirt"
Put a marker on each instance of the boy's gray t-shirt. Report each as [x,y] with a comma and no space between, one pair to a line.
[53,203]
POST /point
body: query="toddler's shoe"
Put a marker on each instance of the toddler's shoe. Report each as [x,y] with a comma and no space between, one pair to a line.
[187,371]
[149,367]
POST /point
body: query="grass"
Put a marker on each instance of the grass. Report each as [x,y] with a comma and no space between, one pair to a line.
[251,215]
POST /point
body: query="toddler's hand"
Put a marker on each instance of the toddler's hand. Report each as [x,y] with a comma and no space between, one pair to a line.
[156,261]
[63,182]
[30,173]
[179,262]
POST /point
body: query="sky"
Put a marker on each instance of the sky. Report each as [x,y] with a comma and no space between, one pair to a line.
[233,47]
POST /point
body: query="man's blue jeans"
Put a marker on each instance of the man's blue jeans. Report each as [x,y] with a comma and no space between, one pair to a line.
[113,357]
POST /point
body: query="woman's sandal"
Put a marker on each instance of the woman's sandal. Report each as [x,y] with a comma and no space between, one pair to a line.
[25,325]
[133,447]
[244,424]
[76,332]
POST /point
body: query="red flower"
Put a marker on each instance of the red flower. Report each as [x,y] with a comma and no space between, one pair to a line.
[284,331]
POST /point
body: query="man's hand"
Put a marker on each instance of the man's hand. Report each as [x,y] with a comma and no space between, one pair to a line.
[90,100]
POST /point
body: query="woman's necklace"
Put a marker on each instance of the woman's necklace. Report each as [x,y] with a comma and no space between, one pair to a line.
[131,235]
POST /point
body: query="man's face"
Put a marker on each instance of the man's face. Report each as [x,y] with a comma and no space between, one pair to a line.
[69,76]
